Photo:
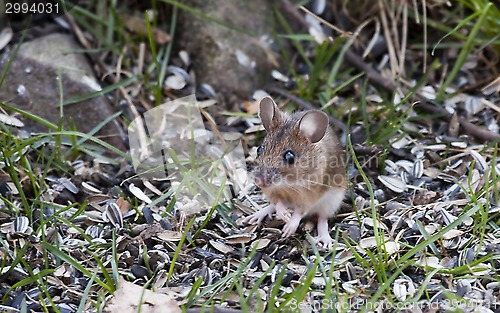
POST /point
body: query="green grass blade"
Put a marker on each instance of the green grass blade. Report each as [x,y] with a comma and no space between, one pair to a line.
[85,294]
[469,212]
[464,53]
[454,30]
[66,258]
[179,246]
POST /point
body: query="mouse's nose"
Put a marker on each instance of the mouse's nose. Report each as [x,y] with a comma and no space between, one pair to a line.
[264,177]
[260,182]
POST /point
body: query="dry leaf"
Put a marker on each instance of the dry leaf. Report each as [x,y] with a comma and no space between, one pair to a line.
[129,297]
[138,26]
[123,205]
[252,107]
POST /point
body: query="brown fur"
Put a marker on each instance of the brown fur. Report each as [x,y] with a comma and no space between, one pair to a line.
[318,166]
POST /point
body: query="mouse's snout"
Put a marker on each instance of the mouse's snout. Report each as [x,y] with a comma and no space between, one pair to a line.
[264,177]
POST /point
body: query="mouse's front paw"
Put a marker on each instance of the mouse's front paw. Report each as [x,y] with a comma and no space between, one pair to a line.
[255,218]
[259,216]
[291,226]
[289,229]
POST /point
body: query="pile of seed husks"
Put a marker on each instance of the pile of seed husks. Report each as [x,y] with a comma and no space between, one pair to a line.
[425,182]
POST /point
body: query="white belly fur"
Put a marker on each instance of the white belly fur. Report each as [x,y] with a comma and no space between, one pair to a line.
[329,203]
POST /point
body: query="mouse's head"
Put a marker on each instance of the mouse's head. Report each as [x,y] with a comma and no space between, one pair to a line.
[291,153]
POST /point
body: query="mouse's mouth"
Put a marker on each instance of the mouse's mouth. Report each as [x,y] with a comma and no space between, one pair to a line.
[264,183]
[265,178]
[276,183]
[261,182]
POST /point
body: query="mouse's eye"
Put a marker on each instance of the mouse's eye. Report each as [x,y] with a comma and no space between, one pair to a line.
[259,150]
[289,157]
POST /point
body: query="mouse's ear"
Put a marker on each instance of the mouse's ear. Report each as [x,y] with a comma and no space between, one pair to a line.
[313,125]
[268,111]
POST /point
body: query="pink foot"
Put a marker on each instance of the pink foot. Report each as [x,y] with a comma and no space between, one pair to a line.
[323,240]
[291,226]
[260,215]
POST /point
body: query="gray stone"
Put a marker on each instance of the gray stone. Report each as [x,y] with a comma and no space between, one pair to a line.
[234,63]
[40,69]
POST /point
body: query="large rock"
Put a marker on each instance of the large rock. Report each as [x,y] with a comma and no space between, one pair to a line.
[34,82]
[234,63]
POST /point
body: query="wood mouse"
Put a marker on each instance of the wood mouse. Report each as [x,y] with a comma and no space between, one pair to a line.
[300,165]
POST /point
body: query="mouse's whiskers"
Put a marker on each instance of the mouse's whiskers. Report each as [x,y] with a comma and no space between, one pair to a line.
[309,185]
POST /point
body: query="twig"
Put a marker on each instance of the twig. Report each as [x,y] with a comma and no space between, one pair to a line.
[373,76]
[473,130]
[84,42]
[364,150]
[389,39]
[290,10]
[478,132]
